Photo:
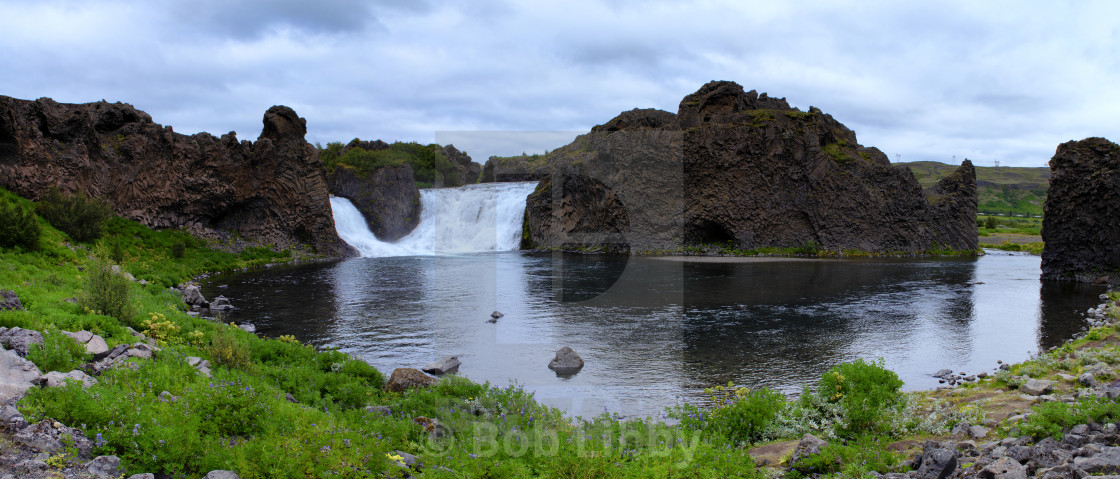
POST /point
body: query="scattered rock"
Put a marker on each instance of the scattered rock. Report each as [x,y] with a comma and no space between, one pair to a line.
[146,475]
[248,327]
[9,300]
[17,375]
[443,366]
[11,418]
[221,303]
[56,379]
[408,460]
[566,361]
[405,378]
[1004,468]
[1107,462]
[20,339]
[936,463]
[46,436]
[1036,387]
[97,345]
[809,445]
[104,467]
[942,373]
[192,295]
[978,432]
[221,474]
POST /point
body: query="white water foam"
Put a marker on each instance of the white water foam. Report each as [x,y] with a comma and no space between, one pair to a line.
[468,219]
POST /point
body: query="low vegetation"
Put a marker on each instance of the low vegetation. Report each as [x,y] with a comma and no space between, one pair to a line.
[429,164]
[277,408]
[1009,191]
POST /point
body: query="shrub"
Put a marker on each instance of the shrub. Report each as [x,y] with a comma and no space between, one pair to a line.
[107,292]
[739,414]
[229,348]
[178,249]
[864,391]
[1052,418]
[18,226]
[77,215]
[58,352]
[858,458]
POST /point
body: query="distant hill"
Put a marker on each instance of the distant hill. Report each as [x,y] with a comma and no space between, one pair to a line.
[1001,189]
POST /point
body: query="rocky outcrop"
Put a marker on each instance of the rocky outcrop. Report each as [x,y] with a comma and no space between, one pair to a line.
[514,168]
[387,197]
[1081,224]
[468,171]
[740,170]
[272,191]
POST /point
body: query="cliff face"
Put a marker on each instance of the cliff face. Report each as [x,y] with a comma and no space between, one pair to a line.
[745,170]
[1081,222]
[387,198]
[272,191]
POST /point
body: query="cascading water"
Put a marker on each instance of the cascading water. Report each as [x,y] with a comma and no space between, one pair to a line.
[468,219]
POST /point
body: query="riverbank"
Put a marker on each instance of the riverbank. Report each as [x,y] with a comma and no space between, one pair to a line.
[208,396]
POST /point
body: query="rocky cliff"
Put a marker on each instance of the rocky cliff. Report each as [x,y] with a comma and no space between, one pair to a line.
[514,168]
[387,197]
[1081,222]
[743,170]
[272,191]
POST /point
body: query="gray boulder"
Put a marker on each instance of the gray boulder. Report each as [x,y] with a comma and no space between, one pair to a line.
[809,445]
[146,475]
[443,366]
[19,339]
[978,432]
[937,463]
[96,345]
[192,295]
[9,301]
[56,379]
[47,436]
[1107,462]
[566,361]
[104,467]
[221,474]
[1036,387]
[17,375]
[221,303]
[1004,468]
[11,418]
[81,337]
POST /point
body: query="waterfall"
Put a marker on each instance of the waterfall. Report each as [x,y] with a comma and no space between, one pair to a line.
[468,219]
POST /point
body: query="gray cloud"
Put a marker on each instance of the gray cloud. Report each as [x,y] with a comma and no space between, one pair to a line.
[1001,80]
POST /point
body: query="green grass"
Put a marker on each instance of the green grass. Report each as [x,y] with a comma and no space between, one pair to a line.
[428,162]
[1004,190]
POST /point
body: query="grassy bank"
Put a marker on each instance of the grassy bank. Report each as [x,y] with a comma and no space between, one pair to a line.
[276,408]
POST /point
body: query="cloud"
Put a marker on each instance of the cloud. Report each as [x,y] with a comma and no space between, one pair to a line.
[1000,80]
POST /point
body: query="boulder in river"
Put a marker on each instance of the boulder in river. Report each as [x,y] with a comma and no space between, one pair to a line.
[566,361]
[445,365]
[192,295]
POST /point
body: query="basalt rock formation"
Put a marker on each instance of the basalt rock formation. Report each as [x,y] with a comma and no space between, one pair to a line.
[272,191]
[1081,222]
[387,197]
[469,171]
[514,168]
[740,170]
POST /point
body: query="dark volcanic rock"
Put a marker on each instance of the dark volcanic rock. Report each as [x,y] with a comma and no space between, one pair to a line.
[744,170]
[387,198]
[1081,224]
[273,191]
[469,171]
[514,168]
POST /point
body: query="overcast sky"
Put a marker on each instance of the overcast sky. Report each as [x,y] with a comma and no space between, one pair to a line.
[989,80]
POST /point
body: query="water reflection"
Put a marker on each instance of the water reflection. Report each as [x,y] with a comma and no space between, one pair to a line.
[654,332]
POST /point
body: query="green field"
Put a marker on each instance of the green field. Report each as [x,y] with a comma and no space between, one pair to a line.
[1004,190]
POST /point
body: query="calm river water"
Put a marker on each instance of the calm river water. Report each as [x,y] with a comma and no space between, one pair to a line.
[655,332]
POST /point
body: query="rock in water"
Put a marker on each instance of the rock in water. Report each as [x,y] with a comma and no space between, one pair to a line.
[496,314]
[1081,223]
[566,361]
[740,168]
[443,366]
[272,191]
[221,303]
[405,378]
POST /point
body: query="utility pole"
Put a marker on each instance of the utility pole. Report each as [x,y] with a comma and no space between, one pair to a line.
[997,163]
